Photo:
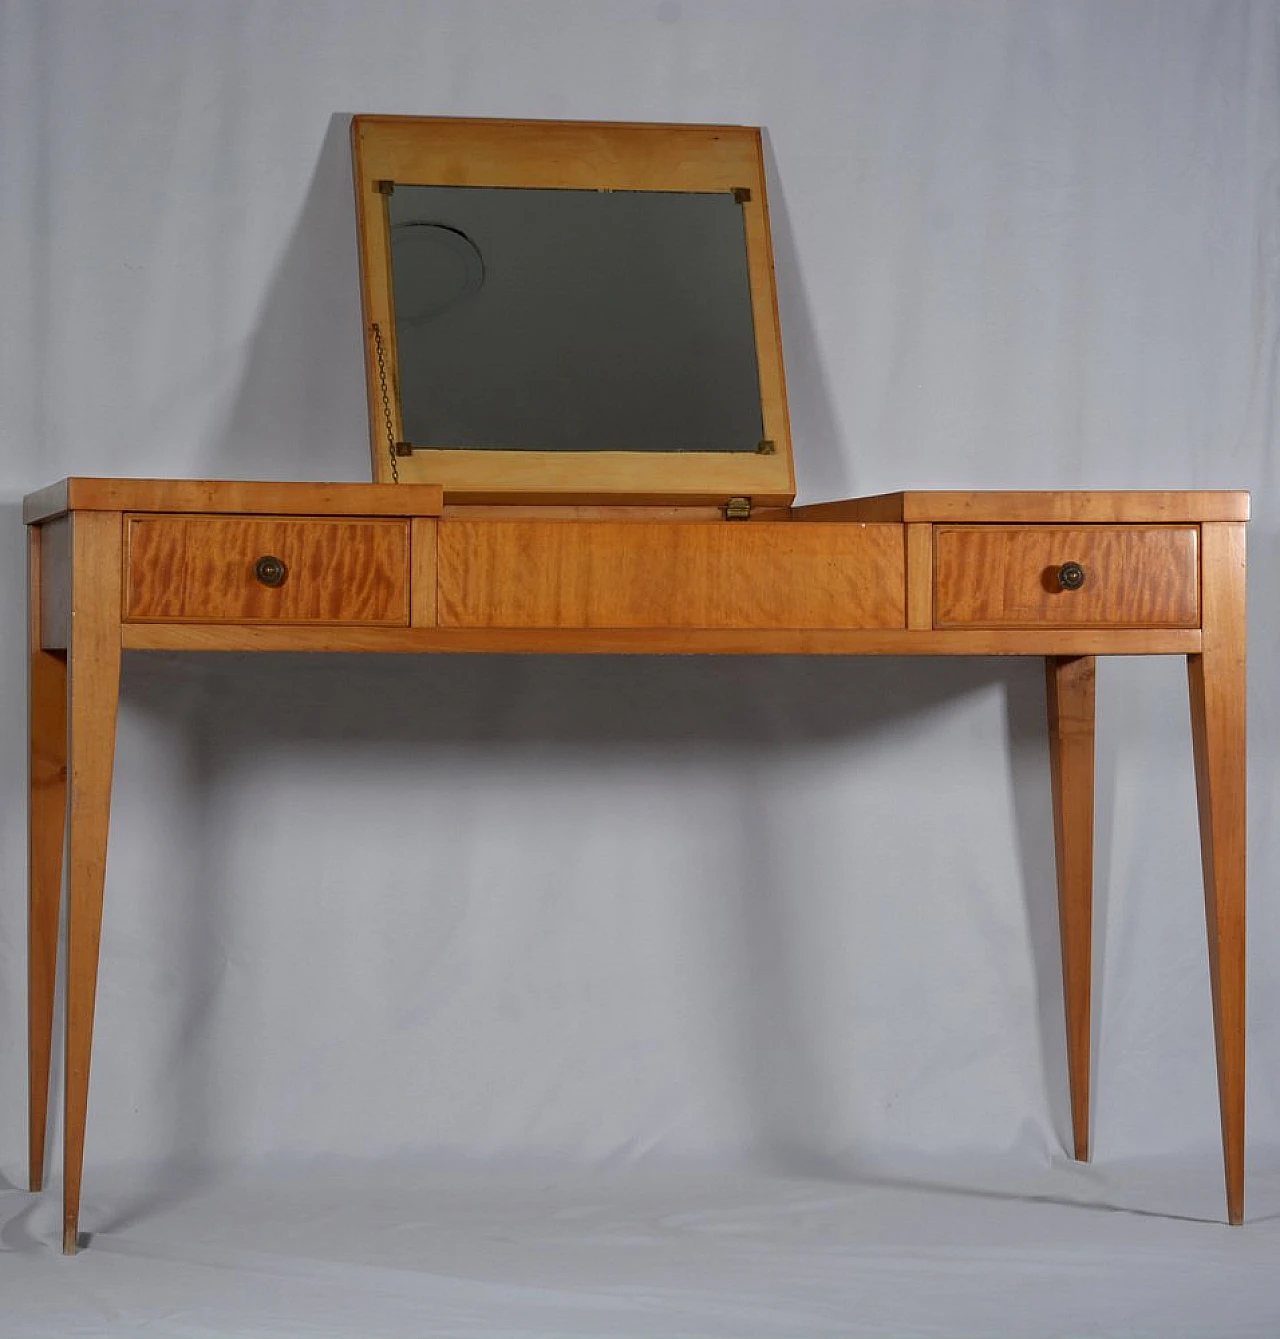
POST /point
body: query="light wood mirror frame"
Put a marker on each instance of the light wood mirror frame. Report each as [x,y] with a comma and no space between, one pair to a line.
[442,151]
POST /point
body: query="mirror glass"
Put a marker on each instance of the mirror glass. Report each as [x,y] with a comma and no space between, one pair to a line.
[573,320]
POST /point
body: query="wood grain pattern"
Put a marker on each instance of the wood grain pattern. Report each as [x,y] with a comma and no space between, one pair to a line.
[995,576]
[664,641]
[1130,508]
[94,687]
[559,574]
[1061,508]
[765,586]
[919,576]
[673,512]
[424,499]
[201,569]
[55,584]
[46,830]
[1216,678]
[585,156]
[774,414]
[233,497]
[697,478]
[424,587]
[1071,693]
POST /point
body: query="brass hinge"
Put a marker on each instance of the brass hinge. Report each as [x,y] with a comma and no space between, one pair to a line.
[402,448]
[384,187]
[737,509]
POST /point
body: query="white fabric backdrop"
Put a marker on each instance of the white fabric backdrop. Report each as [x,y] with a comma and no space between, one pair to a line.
[607,908]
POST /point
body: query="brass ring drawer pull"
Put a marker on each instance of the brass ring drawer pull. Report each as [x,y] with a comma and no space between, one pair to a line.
[270,571]
[1071,576]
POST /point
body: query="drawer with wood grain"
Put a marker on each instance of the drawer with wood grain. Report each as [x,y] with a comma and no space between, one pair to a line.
[253,569]
[691,574]
[990,576]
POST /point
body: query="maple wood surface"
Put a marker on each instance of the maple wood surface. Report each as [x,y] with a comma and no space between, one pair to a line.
[1216,679]
[549,154]
[217,495]
[46,830]
[654,478]
[54,566]
[669,512]
[423,581]
[1042,508]
[201,568]
[1070,687]
[1140,576]
[631,584]
[93,693]
[664,641]
[426,499]
[561,574]
[919,576]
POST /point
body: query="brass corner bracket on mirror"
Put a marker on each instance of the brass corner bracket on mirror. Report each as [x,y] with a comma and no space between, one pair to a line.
[570,311]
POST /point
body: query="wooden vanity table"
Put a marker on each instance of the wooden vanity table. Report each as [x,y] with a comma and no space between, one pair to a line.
[628,551]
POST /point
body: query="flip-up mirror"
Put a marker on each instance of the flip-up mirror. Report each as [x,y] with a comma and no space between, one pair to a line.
[570,311]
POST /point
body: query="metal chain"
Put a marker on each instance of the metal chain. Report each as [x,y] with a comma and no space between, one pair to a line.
[381,355]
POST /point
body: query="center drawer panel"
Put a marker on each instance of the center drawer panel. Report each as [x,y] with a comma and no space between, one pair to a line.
[206,569]
[684,574]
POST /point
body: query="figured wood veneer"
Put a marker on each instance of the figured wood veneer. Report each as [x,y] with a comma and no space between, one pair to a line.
[201,569]
[563,574]
[423,582]
[626,584]
[216,496]
[1078,507]
[997,576]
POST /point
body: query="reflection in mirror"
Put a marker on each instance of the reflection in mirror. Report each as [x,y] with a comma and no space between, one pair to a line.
[573,320]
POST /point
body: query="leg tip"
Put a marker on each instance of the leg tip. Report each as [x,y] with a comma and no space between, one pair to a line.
[70,1239]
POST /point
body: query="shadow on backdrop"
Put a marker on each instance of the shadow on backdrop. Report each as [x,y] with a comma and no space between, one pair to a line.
[299,413]
[400,710]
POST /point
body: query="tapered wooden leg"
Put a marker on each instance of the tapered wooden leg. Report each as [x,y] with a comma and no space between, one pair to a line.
[94,672]
[1070,683]
[46,830]
[1217,683]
